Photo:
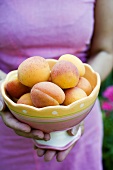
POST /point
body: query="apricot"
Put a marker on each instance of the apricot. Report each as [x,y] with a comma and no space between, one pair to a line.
[51,62]
[65,74]
[33,70]
[76,61]
[15,88]
[85,85]
[46,94]
[73,94]
[25,99]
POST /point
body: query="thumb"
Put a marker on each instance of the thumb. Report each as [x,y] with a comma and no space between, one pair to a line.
[75,129]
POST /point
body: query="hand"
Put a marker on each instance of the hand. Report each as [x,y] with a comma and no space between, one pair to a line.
[49,154]
[20,128]
[60,155]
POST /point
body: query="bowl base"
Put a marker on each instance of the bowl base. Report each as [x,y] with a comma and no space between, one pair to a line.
[60,140]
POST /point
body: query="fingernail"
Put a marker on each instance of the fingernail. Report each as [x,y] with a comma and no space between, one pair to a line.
[47,137]
[37,135]
[1,106]
[40,152]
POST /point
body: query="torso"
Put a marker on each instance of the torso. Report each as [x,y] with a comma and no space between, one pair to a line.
[45,28]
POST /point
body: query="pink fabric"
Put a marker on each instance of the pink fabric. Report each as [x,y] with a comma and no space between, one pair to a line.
[17,153]
[47,28]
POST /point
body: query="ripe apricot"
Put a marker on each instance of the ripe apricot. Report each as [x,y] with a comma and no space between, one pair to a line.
[15,88]
[76,61]
[65,74]
[46,94]
[33,70]
[73,94]
[25,99]
[85,85]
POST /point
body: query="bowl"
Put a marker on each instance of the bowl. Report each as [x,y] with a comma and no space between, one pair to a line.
[54,118]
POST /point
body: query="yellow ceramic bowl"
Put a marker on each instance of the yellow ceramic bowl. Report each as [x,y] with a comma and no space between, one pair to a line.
[54,118]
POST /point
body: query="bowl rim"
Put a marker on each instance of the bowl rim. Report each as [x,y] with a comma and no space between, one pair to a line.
[13,104]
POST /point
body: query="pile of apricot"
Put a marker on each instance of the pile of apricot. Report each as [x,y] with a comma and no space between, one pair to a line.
[39,85]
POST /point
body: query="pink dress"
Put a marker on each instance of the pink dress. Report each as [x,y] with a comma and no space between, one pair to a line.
[49,29]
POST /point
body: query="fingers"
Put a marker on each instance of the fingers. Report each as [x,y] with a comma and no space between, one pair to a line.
[13,123]
[38,134]
[22,129]
[47,136]
[61,156]
[75,129]
[35,134]
[40,152]
[48,154]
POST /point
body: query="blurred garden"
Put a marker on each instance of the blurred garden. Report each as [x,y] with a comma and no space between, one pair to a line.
[106,101]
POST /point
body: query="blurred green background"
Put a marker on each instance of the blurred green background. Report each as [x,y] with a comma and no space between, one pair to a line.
[108,126]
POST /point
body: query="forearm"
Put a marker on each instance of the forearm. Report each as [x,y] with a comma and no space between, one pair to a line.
[102,63]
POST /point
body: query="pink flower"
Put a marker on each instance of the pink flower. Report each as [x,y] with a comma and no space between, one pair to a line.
[108,106]
[108,93]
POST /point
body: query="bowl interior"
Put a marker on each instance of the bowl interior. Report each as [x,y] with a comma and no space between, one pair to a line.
[53,112]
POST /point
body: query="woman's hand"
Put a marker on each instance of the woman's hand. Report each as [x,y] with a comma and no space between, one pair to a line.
[25,130]
[60,155]
[49,154]
[20,128]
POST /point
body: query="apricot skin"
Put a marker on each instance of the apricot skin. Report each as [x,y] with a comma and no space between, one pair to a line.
[76,61]
[16,89]
[65,74]
[33,70]
[73,94]
[46,94]
[25,99]
[85,85]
